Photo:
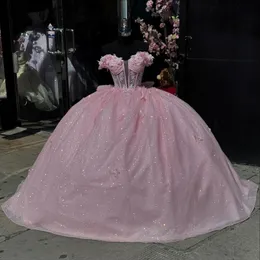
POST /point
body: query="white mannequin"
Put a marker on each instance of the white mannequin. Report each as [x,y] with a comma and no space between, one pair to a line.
[45,63]
[37,77]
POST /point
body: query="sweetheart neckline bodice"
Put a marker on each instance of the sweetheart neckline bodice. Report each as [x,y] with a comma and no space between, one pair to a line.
[126,73]
[131,57]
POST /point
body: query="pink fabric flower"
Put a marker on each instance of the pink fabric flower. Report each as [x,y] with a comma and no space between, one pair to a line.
[139,60]
[148,58]
[104,62]
[111,62]
[136,63]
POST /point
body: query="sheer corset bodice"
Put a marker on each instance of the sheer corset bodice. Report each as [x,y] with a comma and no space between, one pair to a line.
[127,78]
[126,74]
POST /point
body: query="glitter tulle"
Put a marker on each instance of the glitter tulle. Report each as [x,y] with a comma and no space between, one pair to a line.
[133,165]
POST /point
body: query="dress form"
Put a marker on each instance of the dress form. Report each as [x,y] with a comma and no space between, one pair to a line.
[124,47]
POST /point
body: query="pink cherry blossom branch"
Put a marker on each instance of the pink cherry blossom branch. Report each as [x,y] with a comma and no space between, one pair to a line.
[162,41]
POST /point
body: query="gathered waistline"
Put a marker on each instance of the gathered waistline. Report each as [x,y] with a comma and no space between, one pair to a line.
[143,85]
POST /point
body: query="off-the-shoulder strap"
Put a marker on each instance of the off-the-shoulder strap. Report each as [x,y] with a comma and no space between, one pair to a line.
[104,61]
[147,57]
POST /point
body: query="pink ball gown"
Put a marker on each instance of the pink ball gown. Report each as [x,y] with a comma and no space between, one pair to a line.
[131,164]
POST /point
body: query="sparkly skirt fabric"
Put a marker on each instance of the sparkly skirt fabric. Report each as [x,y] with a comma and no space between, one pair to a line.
[131,166]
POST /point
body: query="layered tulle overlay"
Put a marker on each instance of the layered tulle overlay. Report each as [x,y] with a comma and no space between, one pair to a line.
[131,165]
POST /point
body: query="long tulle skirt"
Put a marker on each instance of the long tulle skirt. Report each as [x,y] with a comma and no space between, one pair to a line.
[135,165]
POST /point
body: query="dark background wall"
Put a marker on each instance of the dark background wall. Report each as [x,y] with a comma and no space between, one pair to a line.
[221,77]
